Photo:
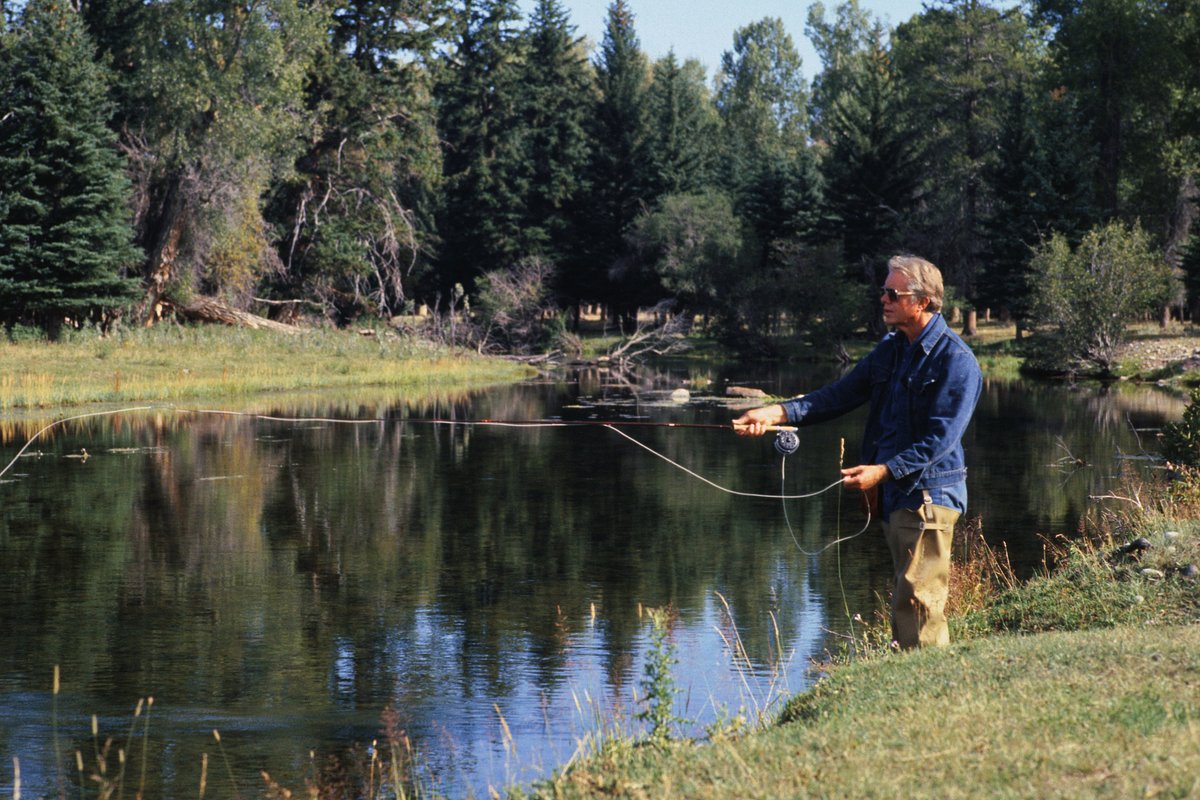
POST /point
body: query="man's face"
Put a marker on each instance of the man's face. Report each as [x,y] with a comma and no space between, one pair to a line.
[906,308]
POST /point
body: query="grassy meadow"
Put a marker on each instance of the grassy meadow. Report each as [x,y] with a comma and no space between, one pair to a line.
[170,364]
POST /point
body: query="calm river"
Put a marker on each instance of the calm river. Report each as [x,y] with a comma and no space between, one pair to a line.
[287,583]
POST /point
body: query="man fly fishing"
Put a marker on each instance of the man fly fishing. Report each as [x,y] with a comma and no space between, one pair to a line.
[922,383]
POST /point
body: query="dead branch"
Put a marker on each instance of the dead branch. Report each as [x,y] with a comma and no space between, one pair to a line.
[1133,500]
[654,339]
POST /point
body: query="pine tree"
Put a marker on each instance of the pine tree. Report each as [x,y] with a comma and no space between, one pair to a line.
[871,168]
[556,101]
[65,233]
[683,128]
[618,169]
[483,200]
[958,61]
[1041,186]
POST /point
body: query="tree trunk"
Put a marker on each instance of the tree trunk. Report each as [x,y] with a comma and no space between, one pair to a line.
[164,247]
[208,309]
[1179,231]
[970,327]
[1183,216]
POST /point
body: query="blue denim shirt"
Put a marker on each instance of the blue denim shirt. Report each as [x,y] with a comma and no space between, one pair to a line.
[921,399]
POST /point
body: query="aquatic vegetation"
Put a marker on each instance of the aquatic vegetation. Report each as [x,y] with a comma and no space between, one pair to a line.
[658,684]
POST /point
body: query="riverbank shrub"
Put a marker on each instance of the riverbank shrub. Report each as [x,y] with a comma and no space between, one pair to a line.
[1087,295]
[1181,440]
[515,312]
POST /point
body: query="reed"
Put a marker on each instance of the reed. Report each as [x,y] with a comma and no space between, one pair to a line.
[765,701]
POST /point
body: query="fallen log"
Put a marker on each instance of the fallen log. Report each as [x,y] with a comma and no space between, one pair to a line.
[209,309]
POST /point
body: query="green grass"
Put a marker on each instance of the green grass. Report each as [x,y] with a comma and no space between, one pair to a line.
[180,364]
[1088,714]
[1080,682]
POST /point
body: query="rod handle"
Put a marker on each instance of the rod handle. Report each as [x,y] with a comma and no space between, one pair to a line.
[771,427]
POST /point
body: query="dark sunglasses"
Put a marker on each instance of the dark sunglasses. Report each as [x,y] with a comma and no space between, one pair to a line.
[894,294]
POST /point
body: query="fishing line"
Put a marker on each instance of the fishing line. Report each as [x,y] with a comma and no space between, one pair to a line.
[734,492]
[789,446]
[786,443]
[34,438]
[813,553]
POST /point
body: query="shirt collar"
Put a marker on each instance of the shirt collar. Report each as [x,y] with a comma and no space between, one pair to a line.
[933,330]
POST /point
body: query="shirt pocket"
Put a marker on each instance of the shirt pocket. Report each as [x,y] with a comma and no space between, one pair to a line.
[919,385]
[880,374]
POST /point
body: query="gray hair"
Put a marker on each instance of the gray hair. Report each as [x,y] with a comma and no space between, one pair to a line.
[923,278]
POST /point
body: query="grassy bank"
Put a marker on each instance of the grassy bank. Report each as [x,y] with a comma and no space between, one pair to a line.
[1103,702]
[1087,714]
[173,364]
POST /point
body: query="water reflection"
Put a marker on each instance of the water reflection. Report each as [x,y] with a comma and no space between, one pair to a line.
[285,582]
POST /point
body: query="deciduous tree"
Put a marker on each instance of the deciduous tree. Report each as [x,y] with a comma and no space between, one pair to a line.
[771,174]
[213,115]
[693,243]
[358,209]
[1089,293]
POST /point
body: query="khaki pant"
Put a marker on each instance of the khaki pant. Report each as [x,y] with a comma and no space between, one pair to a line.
[920,545]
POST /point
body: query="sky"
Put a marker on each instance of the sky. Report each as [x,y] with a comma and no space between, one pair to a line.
[703,29]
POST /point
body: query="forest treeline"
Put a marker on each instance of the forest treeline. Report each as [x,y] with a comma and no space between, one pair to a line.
[364,158]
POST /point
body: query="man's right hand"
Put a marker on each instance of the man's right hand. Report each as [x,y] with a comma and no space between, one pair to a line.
[758,421]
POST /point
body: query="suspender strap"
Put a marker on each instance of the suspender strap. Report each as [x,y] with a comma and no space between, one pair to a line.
[928,518]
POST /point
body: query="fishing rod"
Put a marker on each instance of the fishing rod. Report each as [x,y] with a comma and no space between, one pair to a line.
[552,423]
[787,442]
[546,422]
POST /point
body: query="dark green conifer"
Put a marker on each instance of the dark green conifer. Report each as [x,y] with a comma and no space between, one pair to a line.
[484,189]
[619,169]
[65,234]
[872,172]
[556,100]
[683,129]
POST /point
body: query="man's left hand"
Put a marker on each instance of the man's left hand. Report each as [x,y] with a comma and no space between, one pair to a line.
[865,476]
